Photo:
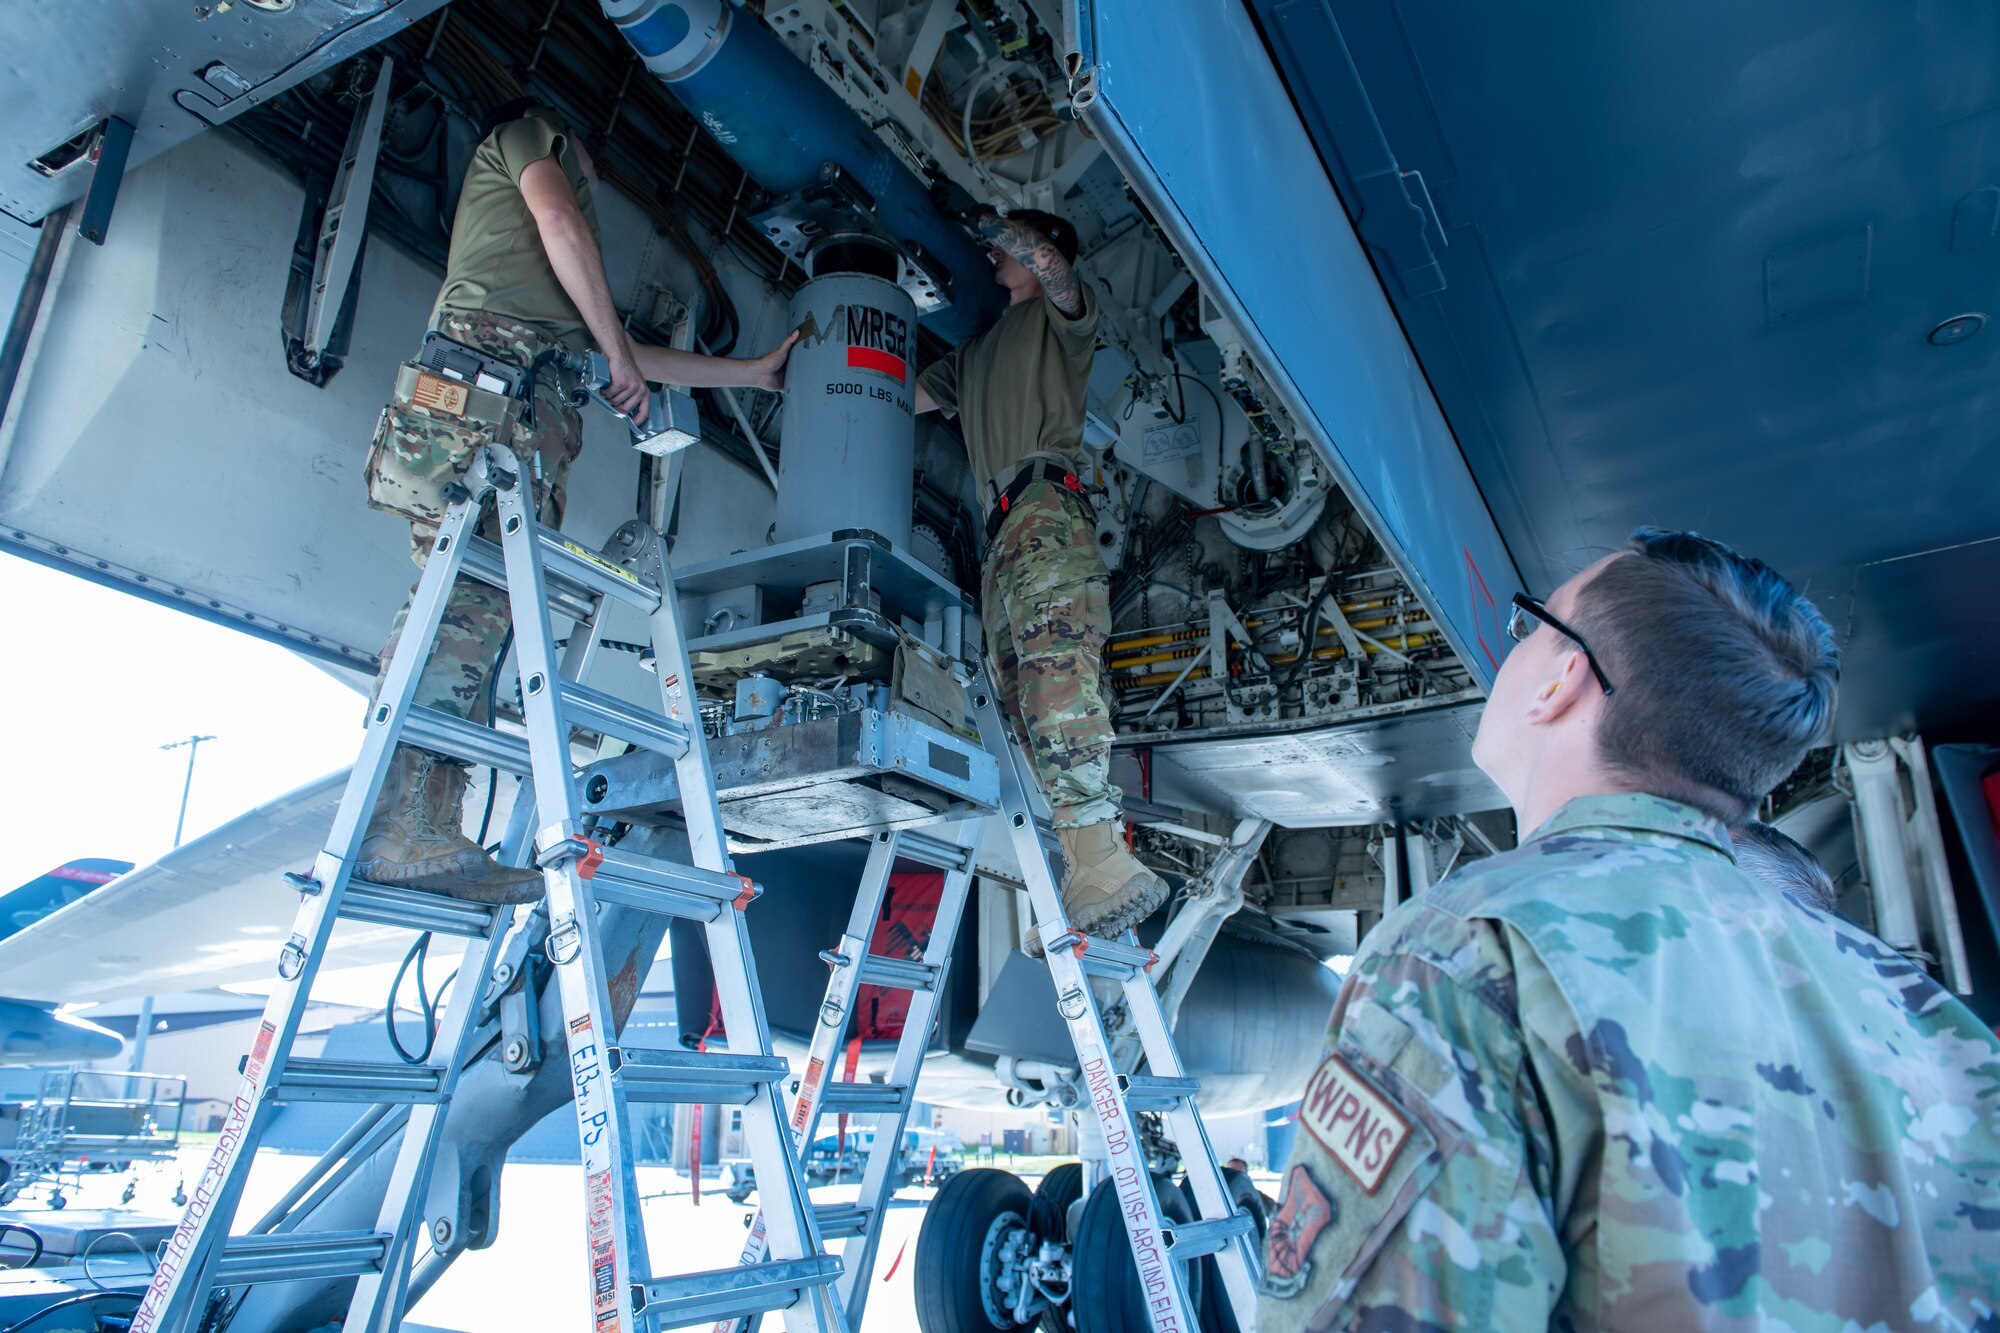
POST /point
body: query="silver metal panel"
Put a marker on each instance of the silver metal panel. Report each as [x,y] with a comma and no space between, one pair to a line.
[785,571]
[1218,154]
[1407,766]
[170,69]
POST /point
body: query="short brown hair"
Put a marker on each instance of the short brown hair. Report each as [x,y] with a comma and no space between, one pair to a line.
[1726,674]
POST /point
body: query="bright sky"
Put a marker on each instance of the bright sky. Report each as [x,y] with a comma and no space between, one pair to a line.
[98,680]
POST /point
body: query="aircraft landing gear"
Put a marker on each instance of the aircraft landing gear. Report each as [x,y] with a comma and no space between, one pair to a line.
[58,1201]
[1106,1296]
[972,1255]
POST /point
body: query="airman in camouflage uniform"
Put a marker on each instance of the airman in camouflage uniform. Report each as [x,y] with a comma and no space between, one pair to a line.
[476,620]
[1606,1080]
[528,191]
[1019,391]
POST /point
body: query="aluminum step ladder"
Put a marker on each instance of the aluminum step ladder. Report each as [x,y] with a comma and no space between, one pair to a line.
[541,572]
[1160,1246]
[886,1104]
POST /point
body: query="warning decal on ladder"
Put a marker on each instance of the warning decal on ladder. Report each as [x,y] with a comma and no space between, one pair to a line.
[603,1250]
[1128,1176]
[803,1111]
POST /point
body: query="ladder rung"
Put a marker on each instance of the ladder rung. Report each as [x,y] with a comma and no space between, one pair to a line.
[935,852]
[1189,1240]
[1146,1093]
[664,887]
[731,1293]
[693,1077]
[1109,958]
[316,1080]
[454,737]
[296,1256]
[912,974]
[571,564]
[838,1221]
[610,716]
[862,1098]
[388,905]
[484,562]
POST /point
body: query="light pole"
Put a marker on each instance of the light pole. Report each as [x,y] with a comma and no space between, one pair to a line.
[145,1025]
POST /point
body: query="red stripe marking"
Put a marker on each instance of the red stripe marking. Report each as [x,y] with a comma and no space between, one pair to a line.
[1478,629]
[867,358]
[86,876]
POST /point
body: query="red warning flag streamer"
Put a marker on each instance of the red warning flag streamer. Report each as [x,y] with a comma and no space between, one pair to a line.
[846,1076]
[694,1127]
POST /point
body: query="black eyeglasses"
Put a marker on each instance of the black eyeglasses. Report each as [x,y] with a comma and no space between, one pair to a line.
[1521,623]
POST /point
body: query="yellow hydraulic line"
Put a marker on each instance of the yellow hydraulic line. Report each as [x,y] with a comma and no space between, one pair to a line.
[1182,654]
[1201,631]
[1179,654]
[1405,642]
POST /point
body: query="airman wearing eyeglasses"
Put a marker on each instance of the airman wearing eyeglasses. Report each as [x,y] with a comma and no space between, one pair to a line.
[1606,1081]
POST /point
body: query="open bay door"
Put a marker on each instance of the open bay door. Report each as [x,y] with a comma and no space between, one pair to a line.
[1216,149]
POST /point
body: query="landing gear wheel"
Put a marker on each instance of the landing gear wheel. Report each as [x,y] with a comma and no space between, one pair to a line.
[1216,1313]
[180,1194]
[58,1201]
[1105,1296]
[131,1192]
[970,1237]
[1048,1218]
[1048,1212]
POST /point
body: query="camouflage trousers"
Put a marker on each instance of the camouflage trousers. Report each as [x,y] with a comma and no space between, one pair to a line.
[476,619]
[1045,600]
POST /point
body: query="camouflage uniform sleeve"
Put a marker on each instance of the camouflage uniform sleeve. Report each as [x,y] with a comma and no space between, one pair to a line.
[940,381]
[1419,1193]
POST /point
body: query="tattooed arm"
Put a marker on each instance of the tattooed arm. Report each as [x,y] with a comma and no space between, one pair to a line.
[1038,254]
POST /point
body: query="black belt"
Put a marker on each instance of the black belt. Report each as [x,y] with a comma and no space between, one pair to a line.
[1027,475]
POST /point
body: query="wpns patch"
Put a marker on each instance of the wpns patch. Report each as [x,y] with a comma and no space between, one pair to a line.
[1359,1127]
[1302,1215]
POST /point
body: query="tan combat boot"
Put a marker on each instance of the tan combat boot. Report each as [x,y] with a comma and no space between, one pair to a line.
[1105,890]
[413,839]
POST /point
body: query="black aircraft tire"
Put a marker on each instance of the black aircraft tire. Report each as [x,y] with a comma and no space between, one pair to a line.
[968,1215]
[1104,1292]
[1216,1314]
[1048,1215]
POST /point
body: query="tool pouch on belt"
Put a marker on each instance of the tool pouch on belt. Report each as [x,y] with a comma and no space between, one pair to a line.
[426,438]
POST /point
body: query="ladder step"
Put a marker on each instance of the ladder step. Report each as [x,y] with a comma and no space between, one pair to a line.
[732,1293]
[1190,1240]
[934,852]
[838,1221]
[1145,1093]
[1109,958]
[692,1077]
[483,561]
[564,560]
[454,737]
[863,1098]
[388,905]
[629,880]
[316,1080]
[296,1256]
[611,716]
[911,974]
